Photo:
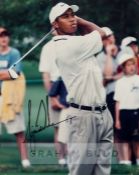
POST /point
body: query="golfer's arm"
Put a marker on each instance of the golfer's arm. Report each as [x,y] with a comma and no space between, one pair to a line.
[87,27]
[4,75]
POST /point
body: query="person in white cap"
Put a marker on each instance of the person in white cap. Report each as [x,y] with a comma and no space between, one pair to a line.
[90,124]
[110,38]
[109,50]
[130,42]
[127,109]
[108,64]
[129,45]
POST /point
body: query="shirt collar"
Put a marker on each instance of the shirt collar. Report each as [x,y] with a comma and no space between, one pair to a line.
[61,37]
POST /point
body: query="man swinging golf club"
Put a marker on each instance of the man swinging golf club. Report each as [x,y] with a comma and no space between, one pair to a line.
[90,134]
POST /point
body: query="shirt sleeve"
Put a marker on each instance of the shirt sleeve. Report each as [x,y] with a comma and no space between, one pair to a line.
[101,59]
[44,65]
[92,43]
[48,62]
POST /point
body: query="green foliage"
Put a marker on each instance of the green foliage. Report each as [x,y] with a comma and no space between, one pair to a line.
[27,20]
[31,74]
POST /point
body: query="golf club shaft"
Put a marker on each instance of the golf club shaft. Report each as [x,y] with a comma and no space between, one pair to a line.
[36,45]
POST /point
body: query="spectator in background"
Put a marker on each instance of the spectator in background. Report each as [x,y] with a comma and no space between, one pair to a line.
[108,64]
[50,74]
[129,45]
[127,109]
[107,60]
[58,89]
[12,95]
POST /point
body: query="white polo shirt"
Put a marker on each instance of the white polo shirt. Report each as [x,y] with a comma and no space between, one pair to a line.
[79,69]
[47,61]
[127,92]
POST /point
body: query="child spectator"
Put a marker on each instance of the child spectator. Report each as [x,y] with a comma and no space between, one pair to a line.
[127,109]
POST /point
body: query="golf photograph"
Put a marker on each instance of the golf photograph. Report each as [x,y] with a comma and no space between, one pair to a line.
[69,87]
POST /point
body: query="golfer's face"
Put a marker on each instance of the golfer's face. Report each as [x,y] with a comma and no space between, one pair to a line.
[67,23]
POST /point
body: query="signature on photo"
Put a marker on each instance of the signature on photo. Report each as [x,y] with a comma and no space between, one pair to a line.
[40,125]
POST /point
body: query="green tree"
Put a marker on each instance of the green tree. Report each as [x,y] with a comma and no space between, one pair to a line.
[28,21]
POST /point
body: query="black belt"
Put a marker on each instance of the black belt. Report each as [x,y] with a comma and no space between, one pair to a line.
[89,108]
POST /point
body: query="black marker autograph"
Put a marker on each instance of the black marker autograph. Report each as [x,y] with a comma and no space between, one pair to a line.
[32,130]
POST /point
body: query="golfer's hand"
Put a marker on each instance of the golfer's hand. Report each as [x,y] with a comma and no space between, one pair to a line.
[118,124]
[13,73]
[55,103]
[54,33]
[81,27]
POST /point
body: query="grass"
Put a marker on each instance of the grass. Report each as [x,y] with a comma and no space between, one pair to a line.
[30,69]
[43,163]
[10,164]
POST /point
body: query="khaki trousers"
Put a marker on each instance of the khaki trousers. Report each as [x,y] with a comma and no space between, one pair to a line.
[90,142]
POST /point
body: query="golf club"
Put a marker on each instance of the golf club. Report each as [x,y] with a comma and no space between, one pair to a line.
[36,45]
